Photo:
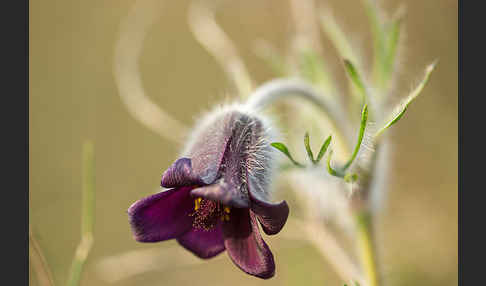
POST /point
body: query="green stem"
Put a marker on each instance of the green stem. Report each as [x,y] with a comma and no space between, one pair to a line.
[87,216]
[366,245]
[80,256]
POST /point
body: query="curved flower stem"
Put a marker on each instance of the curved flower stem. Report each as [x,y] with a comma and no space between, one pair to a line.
[366,244]
[128,48]
[335,255]
[280,88]
[212,37]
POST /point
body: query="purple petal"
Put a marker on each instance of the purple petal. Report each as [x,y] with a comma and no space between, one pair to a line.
[180,174]
[204,244]
[162,216]
[227,194]
[271,216]
[245,246]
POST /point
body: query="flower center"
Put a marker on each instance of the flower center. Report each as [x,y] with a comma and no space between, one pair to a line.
[206,213]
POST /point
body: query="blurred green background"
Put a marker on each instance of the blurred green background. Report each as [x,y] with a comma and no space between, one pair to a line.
[73,97]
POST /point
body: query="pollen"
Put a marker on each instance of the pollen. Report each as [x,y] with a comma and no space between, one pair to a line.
[207,213]
[197,203]
[225,217]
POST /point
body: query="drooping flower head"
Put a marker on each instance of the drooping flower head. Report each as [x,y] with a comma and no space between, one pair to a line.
[219,192]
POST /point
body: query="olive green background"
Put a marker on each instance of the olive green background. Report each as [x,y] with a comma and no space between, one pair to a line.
[73,97]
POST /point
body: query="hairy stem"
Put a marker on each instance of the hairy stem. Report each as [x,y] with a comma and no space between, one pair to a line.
[281,88]
[319,235]
[329,248]
[367,247]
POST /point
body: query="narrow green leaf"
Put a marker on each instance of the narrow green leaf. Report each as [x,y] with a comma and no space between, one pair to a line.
[379,37]
[313,69]
[364,119]
[342,43]
[402,107]
[338,37]
[355,78]
[393,36]
[330,170]
[308,148]
[282,148]
[323,149]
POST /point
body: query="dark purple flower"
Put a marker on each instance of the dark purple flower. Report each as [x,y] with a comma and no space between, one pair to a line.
[218,193]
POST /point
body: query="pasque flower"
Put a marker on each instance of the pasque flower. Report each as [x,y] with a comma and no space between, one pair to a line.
[218,194]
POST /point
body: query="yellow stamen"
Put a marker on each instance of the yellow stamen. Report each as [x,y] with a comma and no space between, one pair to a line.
[227,210]
[197,203]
